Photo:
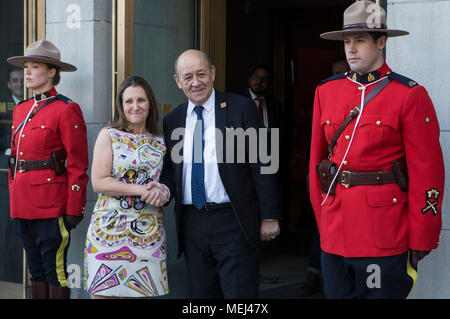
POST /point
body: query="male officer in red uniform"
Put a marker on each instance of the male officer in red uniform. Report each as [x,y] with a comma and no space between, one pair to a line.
[377,190]
[48,164]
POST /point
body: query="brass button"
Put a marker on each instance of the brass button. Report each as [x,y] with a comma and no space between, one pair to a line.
[23,135]
[43,127]
[29,120]
[49,179]
[427,120]
[360,88]
[394,200]
[76,127]
[21,153]
[345,162]
[378,123]
[328,122]
[347,137]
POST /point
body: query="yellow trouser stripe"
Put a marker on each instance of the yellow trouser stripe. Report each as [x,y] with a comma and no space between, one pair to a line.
[411,271]
[60,270]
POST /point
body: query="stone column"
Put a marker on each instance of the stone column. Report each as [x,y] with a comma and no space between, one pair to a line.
[424,57]
[81,29]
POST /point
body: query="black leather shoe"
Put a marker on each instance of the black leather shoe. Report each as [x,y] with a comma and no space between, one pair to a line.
[268,280]
[310,286]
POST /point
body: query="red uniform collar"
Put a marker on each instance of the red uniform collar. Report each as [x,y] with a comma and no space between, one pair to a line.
[371,76]
[45,95]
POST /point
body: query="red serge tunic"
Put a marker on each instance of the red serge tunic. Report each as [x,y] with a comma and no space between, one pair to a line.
[378,220]
[39,194]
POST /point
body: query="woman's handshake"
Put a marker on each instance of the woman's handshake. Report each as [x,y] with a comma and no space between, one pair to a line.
[154,194]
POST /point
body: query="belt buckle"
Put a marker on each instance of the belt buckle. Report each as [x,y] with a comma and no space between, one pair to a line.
[19,166]
[205,208]
[345,178]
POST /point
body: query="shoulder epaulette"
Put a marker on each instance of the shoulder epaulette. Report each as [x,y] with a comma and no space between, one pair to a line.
[24,101]
[334,77]
[63,98]
[402,79]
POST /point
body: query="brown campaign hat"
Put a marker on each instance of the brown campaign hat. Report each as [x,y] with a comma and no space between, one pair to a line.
[42,51]
[363,16]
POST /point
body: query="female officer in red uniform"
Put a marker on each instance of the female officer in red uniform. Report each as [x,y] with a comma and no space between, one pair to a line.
[48,163]
[375,223]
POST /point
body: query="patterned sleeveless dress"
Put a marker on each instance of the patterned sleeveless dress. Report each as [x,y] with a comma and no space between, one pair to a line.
[125,251]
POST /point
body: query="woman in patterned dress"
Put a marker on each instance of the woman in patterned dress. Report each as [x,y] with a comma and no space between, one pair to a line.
[125,252]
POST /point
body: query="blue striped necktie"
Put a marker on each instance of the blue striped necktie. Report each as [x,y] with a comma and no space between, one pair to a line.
[198,172]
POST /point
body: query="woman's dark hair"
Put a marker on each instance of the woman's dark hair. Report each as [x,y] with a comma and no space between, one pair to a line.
[120,121]
[57,76]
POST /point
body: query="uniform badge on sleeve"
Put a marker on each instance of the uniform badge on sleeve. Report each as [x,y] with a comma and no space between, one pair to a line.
[431,201]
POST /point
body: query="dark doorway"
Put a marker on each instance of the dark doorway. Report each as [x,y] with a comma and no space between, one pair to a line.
[285,35]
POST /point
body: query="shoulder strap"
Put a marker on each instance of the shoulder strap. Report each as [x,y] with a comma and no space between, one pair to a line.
[377,89]
[63,98]
[402,79]
[334,77]
[31,115]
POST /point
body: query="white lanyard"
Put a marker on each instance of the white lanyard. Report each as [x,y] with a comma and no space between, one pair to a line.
[363,89]
[23,126]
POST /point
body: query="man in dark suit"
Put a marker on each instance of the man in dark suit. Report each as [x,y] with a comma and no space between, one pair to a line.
[224,203]
[269,108]
[7,104]
[9,243]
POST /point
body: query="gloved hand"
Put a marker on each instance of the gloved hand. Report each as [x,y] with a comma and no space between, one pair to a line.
[417,255]
[72,221]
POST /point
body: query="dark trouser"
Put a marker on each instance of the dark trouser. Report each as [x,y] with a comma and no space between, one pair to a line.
[314,264]
[46,242]
[220,261]
[368,277]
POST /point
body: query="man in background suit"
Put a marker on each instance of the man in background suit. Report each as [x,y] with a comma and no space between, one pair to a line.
[9,242]
[269,108]
[222,208]
[7,104]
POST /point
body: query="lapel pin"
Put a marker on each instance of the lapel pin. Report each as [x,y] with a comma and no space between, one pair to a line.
[223,104]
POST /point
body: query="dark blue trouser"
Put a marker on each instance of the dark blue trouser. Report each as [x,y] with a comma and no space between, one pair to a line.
[368,277]
[46,242]
[219,259]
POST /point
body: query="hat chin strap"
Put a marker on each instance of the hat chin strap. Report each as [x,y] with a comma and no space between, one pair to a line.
[363,95]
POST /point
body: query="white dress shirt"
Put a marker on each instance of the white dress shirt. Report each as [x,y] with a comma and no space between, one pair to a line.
[215,191]
[16,100]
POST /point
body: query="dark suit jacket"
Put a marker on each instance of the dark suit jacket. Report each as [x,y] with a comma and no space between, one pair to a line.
[6,122]
[252,194]
[276,119]
[274,109]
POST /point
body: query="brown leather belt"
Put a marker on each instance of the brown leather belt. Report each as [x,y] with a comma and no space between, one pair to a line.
[55,162]
[30,165]
[353,178]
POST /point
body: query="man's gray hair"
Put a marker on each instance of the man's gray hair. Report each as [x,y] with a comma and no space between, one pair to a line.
[206,56]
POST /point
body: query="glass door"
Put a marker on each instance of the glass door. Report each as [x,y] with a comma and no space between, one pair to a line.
[11,92]
[162,30]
